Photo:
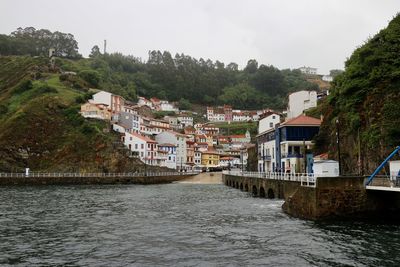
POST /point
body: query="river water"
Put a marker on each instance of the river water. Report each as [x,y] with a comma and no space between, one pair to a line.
[181,224]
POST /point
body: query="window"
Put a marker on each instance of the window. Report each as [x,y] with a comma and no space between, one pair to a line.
[271,124]
[136,146]
[130,138]
[273,117]
[141,154]
[148,145]
[142,146]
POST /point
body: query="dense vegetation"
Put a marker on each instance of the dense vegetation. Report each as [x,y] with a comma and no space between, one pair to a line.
[40,126]
[365,102]
[29,41]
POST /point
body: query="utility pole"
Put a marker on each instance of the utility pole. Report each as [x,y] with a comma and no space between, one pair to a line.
[338,146]
[105,47]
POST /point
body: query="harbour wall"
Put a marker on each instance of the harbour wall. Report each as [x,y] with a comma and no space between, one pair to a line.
[71,180]
[331,197]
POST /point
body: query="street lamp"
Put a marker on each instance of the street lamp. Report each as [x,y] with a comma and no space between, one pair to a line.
[338,146]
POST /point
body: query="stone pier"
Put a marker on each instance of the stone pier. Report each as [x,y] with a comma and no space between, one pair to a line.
[330,197]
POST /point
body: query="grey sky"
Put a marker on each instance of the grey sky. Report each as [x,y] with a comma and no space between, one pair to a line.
[284,33]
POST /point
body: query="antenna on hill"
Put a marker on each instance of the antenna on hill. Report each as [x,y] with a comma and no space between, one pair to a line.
[105,46]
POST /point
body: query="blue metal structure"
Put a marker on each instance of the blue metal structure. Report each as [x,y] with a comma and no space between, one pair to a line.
[382,165]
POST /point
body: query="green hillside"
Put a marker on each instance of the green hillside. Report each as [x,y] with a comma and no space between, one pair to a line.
[365,99]
[40,126]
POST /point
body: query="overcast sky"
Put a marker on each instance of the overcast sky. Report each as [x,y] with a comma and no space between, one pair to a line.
[283,33]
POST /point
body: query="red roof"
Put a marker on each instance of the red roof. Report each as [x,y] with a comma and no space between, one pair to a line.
[166,145]
[238,136]
[303,120]
[144,138]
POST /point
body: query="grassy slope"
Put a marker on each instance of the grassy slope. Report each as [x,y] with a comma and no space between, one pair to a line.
[40,126]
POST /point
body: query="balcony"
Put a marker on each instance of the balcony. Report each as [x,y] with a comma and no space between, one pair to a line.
[264,157]
[290,155]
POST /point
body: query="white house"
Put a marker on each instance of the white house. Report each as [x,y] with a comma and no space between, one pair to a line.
[166,106]
[308,70]
[268,122]
[114,102]
[144,147]
[185,120]
[266,142]
[142,101]
[170,154]
[177,139]
[327,78]
[301,101]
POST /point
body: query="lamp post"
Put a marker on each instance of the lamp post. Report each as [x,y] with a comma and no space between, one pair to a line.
[338,146]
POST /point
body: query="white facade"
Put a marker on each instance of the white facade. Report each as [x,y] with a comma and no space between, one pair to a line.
[170,151]
[308,70]
[166,106]
[241,117]
[268,122]
[102,97]
[394,167]
[118,128]
[301,101]
[145,148]
[326,168]
[186,120]
[179,140]
[197,158]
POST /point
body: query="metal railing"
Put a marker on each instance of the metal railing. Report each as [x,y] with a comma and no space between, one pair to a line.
[99,175]
[305,179]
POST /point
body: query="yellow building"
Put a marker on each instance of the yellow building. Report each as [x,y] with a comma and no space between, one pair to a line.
[210,159]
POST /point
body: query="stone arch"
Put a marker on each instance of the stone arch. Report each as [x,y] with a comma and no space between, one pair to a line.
[254,191]
[262,191]
[246,188]
[237,185]
[241,186]
[270,193]
[229,183]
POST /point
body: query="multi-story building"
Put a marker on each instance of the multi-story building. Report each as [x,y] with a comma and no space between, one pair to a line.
[300,102]
[287,146]
[266,142]
[143,147]
[114,102]
[190,154]
[210,159]
[130,120]
[268,122]
[185,120]
[295,142]
[219,114]
[170,153]
[179,140]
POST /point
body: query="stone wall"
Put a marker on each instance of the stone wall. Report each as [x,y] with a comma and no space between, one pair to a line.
[4,181]
[332,197]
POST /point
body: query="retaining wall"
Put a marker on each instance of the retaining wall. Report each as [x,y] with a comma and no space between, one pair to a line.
[90,180]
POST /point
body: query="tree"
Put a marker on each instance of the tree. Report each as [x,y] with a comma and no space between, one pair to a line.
[335,72]
[252,66]
[95,52]
[184,104]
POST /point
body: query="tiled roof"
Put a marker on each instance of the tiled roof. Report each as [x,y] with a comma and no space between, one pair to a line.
[303,120]
[144,138]
[166,144]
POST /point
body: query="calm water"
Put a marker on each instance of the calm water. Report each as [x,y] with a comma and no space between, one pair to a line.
[176,225]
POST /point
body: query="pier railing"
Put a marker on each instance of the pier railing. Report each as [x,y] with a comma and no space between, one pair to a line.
[83,174]
[305,179]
